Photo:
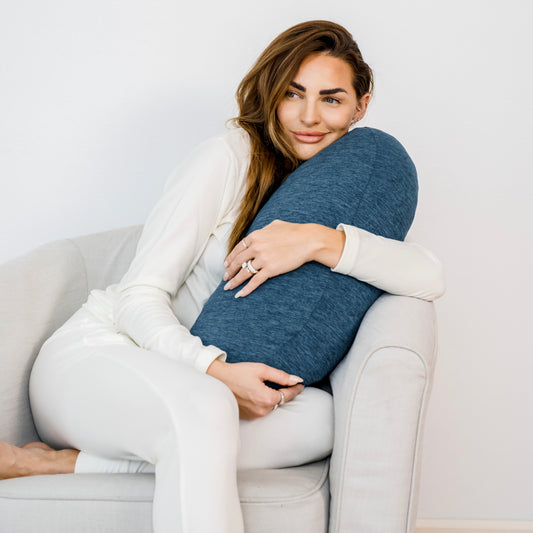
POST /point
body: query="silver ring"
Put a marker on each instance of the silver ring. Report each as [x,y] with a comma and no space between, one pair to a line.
[282,401]
[244,243]
[248,266]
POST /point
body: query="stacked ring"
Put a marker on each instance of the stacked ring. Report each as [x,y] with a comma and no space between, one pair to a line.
[248,266]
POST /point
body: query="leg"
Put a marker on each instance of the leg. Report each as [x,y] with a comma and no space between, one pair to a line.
[122,401]
[297,433]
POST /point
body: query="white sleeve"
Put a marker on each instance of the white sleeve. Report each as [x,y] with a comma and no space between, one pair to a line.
[196,196]
[397,267]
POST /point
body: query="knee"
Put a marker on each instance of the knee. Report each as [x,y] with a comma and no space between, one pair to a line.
[192,421]
[209,406]
[300,432]
[213,402]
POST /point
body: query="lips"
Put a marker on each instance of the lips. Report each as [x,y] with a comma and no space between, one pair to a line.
[308,136]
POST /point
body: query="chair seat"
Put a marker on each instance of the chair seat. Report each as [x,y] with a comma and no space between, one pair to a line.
[116,503]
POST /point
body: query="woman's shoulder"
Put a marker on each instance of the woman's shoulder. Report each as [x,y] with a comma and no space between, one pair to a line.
[237,141]
[234,144]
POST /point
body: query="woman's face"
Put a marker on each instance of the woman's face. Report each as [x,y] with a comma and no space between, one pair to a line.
[319,105]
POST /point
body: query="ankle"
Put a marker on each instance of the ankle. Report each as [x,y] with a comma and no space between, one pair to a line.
[63,461]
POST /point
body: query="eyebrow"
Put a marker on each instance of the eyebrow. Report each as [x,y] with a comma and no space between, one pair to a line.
[324,91]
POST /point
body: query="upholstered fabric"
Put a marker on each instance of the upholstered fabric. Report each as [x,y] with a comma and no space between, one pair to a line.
[380,390]
[284,500]
[304,321]
[39,292]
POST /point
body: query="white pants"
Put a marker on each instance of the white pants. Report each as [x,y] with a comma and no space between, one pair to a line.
[95,390]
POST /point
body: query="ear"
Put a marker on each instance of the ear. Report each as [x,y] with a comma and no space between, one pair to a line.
[362,104]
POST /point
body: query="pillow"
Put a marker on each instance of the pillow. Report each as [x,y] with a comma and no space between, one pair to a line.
[305,321]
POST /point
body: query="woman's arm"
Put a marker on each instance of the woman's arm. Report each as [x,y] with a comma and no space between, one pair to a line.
[196,196]
[397,267]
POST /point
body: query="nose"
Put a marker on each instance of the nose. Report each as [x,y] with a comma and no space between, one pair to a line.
[309,113]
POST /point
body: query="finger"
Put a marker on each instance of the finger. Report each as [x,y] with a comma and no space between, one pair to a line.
[235,264]
[291,392]
[256,280]
[237,280]
[261,402]
[238,248]
[243,274]
[269,373]
[229,258]
[245,413]
[229,263]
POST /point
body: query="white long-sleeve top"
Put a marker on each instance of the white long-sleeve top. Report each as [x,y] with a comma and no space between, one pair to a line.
[179,257]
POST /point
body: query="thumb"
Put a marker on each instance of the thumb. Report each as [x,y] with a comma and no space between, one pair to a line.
[280,377]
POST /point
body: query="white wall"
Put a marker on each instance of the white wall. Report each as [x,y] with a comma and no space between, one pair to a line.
[99,100]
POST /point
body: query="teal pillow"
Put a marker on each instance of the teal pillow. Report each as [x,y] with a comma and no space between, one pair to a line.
[304,321]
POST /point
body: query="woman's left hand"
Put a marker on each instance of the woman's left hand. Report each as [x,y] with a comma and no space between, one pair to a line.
[275,249]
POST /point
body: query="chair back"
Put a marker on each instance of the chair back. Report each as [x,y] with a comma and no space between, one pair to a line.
[40,291]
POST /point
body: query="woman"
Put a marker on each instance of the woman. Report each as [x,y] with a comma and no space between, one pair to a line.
[125,381]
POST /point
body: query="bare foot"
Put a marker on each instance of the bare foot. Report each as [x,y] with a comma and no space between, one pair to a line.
[37,444]
[35,458]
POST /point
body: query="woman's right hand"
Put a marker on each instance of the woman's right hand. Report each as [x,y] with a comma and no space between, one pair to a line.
[247,382]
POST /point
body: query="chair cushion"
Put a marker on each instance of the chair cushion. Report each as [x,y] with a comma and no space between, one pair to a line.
[304,321]
[287,499]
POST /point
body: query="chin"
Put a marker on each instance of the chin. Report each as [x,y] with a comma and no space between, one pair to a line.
[307,152]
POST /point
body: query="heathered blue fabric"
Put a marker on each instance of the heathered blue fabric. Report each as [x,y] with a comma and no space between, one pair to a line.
[304,321]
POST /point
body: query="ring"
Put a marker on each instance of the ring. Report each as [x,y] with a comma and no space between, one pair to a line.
[248,266]
[244,243]
[281,401]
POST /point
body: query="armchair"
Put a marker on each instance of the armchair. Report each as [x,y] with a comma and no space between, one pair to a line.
[381,389]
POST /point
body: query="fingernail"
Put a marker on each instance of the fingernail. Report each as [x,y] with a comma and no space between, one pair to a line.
[227,287]
[296,379]
[239,294]
[226,276]
[225,264]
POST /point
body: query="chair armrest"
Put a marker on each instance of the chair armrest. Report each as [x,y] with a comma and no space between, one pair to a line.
[381,389]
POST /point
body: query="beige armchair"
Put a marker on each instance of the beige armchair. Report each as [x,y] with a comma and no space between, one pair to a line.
[381,390]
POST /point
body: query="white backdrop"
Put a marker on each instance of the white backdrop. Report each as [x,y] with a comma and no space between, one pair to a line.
[99,101]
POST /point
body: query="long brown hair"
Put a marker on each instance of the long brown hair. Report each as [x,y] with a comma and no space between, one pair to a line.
[259,95]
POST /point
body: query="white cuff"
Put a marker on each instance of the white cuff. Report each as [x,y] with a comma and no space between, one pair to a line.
[207,356]
[351,250]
